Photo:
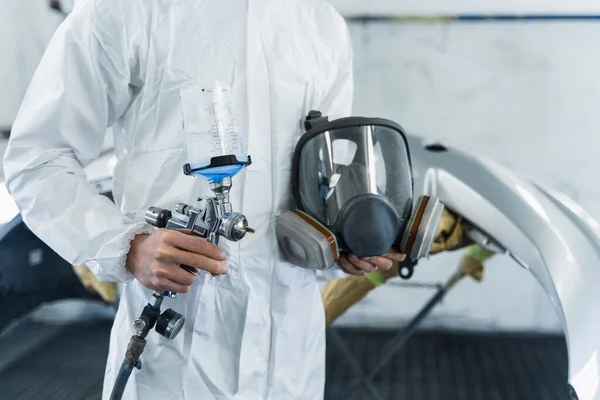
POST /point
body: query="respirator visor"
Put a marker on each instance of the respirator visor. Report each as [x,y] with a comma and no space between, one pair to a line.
[366,159]
[354,176]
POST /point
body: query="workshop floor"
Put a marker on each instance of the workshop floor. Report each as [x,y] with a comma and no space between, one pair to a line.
[42,361]
[452,366]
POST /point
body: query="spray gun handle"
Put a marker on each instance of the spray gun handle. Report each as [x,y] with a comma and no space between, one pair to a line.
[232,226]
[214,239]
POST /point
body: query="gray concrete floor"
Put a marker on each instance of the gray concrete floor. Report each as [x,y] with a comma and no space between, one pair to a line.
[59,351]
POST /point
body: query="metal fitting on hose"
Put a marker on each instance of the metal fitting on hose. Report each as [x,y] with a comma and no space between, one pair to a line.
[135,348]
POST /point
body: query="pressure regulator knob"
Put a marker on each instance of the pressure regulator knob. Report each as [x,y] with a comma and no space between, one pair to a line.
[235,227]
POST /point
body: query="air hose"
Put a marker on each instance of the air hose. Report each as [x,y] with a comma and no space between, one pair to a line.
[132,360]
[147,320]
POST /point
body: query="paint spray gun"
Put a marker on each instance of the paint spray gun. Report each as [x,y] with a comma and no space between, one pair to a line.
[218,154]
[211,219]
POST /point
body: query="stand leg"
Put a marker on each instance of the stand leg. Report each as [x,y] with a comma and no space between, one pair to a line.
[355,366]
[402,337]
[398,341]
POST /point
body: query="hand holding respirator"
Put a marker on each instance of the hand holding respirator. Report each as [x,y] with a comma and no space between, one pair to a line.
[353,187]
[216,153]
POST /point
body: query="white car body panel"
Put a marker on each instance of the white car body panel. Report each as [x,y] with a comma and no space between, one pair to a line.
[545,232]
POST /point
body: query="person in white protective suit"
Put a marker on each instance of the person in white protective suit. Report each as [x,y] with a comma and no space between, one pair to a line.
[256,331]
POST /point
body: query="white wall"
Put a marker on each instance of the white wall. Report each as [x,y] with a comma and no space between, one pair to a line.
[452,7]
[524,94]
[26,27]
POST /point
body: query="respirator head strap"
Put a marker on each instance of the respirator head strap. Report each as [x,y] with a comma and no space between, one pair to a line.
[314,119]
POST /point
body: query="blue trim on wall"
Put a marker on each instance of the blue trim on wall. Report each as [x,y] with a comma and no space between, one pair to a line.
[474,18]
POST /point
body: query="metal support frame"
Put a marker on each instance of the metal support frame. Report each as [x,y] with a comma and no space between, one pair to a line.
[395,344]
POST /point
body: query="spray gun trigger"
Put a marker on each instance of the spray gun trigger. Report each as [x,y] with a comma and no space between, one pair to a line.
[189,269]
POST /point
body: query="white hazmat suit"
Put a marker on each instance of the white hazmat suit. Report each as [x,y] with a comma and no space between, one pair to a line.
[258,332]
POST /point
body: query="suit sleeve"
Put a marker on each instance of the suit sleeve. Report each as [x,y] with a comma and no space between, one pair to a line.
[80,87]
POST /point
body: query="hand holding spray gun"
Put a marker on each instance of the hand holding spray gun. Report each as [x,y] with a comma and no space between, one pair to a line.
[168,260]
[156,260]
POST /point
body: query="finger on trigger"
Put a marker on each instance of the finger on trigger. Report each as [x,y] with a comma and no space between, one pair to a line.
[198,245]
[200,262]
[179,275]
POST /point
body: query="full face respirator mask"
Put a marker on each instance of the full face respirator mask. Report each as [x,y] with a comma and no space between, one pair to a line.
[353,188]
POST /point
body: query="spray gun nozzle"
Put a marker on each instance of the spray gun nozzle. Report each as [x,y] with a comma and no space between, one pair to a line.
[248,229]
